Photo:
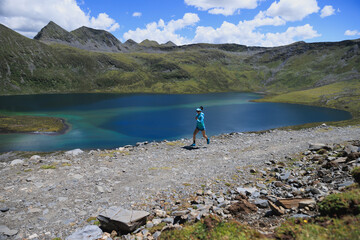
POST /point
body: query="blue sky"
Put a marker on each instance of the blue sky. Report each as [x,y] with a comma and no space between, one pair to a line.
[248,22]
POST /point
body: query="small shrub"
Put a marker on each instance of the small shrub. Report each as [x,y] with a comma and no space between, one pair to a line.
[341,204]
[356,174]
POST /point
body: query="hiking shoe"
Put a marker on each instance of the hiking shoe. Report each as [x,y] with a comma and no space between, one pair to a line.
[208,141]
[193,145]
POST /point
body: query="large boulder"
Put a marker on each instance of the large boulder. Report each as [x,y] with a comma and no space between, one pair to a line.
[121,220]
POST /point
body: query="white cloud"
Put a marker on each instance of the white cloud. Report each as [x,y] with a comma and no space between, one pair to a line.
[28,18]
[291,35]
[162,32]
[292,10]
[137,14]
[225,7]
[245,33]
[328,10]
[352,32]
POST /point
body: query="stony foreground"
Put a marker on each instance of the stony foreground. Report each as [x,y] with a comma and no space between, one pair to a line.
[50,195]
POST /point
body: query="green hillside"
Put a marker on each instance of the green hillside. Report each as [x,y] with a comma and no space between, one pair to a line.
[30,66]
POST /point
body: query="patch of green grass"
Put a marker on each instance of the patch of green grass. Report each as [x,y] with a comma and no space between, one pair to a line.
[48,167]
[159,168]
[346,228]
[158,227]
[30,124]
[212,228]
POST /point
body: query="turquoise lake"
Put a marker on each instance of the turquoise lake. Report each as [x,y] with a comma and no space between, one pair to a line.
[114,120]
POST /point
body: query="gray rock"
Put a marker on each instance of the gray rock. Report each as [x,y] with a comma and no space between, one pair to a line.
[6,231]
[169,220]
[149,225]
[35,157]
[16,162]
[180,213]
[285,176]
[300,216]
[314,190]
[345,184]
[318,146]
[246,191]
[4,209]
[122,220]
[261,203]
[90,232]
[156,235]
[74,152]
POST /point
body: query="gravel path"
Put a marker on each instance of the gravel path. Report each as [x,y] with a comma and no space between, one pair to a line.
[35,199]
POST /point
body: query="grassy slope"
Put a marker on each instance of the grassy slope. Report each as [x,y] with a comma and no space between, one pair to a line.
[343,95]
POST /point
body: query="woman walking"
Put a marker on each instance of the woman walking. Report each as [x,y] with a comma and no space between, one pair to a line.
[200,126]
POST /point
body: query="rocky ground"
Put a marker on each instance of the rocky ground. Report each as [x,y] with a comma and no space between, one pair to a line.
[50,195]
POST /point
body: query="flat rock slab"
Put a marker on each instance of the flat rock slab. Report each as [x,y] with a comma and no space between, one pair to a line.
[122,220]
[318,146]
[276,210]
[295,202]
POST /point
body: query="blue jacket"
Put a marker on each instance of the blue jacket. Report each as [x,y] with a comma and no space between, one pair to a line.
[200,120]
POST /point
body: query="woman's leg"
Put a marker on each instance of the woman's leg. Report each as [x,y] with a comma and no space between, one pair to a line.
[206,137]
[194,135]
[204,134]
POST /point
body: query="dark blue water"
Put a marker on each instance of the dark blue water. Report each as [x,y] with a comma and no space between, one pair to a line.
[113,120]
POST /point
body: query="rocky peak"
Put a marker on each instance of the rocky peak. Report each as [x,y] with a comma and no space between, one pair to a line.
[130,42]
[54,33]
[83,38]
[87,34]
[169,44]
[149,43]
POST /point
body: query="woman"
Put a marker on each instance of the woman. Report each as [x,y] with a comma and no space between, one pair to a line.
[200,125]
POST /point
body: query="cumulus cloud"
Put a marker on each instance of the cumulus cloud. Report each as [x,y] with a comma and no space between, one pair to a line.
[163,32]
[28,18]
[292,10]
[137,14]
[224,7]
[246,33]
[328,10]
[351,32]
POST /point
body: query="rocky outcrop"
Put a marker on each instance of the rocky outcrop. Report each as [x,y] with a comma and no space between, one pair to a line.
[84,38]
[56,34]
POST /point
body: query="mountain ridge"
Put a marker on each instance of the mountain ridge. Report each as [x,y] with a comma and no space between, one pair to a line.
[30,66]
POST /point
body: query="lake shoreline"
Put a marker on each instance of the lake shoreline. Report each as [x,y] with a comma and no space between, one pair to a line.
[264,98]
